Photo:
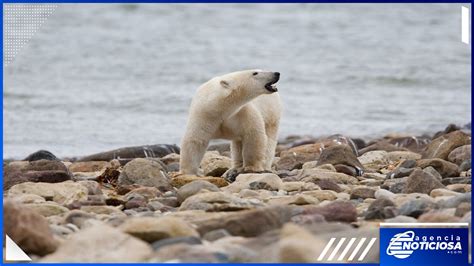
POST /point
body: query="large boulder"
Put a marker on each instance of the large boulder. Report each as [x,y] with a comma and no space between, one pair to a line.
[29,230]
[217,201]
[444,168]
[443,145]
[460,154]
[147,151]
[214,164]
[63,193]
[49,171]
[340,154]
[421,182]
[152,229]
[265,181]
[101,243]
[195,187]
[145,172]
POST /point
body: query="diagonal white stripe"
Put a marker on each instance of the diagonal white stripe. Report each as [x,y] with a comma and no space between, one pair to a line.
[361,242]
[326,248]
[366,250]
[338,246]
[349,245]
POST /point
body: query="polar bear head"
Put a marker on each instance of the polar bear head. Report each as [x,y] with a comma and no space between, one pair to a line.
[253,82]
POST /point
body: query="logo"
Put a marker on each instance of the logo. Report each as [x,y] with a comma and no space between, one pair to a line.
[398,245]
[424,245]
[403,244]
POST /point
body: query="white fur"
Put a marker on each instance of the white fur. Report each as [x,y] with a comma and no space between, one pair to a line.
[237,107]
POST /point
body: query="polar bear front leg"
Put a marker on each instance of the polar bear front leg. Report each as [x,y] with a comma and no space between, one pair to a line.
[194,145]
[236,149]
[253,150]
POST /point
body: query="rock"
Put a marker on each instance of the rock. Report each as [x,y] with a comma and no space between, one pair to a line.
[341,211]
[308,219]
[456,180]
[421,182]
[181,180]
[294,158]
[460,154]
[298,186]
[93,188]
[29,230]
[101,210]
[383,145]
[430,170]
[101,243]
[417,207]
[340,154]
[78,218]
[214,164]
[455,201]
[152,229]
[185,253]
[145,172]
[47,208]
[437,217]
[462,209]
[265,181]
[169,201]
[465,166]
[148,151]
[381,208]
[321,195]
[293,200]
[395,156]
[297,245]
[310,164]
[216,234]
[345,169]
[397,187]
[63,193]
[401,219]
[12,178]
[461,188]
[187,240]
[443,145]
[382,193]
[444,168]
[136,201]
[147,193]
[41,155]
[195,187]
[314,175]
[237,223]
[35,171]
[400,172]
[29,198]
[217,201]
[373,157]
[90,166]
[440,192]
[362,193]
[327,184]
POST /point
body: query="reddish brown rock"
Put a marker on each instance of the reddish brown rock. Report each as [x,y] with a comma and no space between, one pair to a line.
[28,229]
[443,145]
[421,182]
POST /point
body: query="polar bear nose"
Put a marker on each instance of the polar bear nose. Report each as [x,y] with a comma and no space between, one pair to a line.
[277,74]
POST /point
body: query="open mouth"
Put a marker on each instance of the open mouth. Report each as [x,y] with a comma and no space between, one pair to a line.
[270,86]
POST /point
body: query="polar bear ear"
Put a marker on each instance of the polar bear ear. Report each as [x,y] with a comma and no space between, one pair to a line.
[225,84]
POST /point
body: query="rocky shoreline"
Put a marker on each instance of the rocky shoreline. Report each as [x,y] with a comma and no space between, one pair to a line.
[119,207]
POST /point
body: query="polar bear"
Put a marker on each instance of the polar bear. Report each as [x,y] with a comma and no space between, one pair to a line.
[243,107]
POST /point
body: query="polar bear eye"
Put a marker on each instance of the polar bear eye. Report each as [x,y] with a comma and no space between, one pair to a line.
[255,73]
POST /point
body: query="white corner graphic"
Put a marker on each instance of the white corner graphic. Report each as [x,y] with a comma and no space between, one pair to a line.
[465,24]
[13,252]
